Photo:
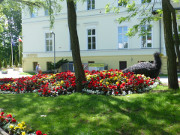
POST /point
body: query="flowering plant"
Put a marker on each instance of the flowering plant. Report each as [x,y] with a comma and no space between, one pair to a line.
[110,82]
[11,126]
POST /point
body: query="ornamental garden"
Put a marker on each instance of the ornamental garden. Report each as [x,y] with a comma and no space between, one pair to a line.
[110,82]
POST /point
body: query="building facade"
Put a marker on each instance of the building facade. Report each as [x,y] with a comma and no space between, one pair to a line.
[102,39]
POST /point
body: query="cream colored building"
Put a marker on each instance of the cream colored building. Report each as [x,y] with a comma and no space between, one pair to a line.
[102,39]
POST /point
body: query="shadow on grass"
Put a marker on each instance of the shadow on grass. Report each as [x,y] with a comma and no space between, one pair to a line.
[153,113]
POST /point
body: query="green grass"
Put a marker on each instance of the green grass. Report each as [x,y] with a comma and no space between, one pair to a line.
[27,73]
[77,114]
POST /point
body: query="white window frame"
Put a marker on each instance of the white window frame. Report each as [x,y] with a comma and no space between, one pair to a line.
[146,38]
[91,28]
[49,39]
[91,5]
[123,34]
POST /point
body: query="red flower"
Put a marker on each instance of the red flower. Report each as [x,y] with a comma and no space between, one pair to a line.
[9,116]
[13,120]
[2,113]
[38,132]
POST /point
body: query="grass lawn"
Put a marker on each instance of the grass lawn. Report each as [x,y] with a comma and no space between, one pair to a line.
[27,73]
[77,114]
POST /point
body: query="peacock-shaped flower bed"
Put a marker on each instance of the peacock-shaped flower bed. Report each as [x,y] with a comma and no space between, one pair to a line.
[110,82]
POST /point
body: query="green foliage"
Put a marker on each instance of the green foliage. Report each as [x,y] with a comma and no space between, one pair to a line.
[1,64]
[61,62]
[5,63]
[16,61]
[10,61]
[50,66]
[150,113]
[143,11]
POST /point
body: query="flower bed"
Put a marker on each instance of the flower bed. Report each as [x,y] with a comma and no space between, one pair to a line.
[11,126]
[111,82]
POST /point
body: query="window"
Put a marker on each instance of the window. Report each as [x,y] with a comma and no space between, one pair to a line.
[122,38]
[146,40]
[145,1]
[91,62]
[48,41]
[90,4]
[49,65]
[34,12]
[91,39]
[46,12]
[122,3]
[122,65]
[34,65]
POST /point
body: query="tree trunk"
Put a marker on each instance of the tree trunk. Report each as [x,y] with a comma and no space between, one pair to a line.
[79,71]
[170,50]
[175,29]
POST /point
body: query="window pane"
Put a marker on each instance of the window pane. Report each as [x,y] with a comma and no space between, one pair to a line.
[89,32]
[120,30]
[47,48]
[149,28]
[149,37]
[143,28]
[50,42]
[149,45]
[94,39]
[50,48]
[125,39]
[125,29]
[120,39]
[93,32]
[126,45]
[89,46]
[50,35]
[94,46]
[89,40]
[47,42]
[88,4]
[47,35]
[143,43]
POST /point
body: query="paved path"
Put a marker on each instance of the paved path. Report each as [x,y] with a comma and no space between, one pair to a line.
[13,74]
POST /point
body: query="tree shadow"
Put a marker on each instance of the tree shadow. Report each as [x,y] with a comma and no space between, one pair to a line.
[75,114]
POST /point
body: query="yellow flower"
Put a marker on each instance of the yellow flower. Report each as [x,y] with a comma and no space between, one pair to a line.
[117,83]
[11,126]
[101,80]
[62,82]
[23,133]
[23,123]
[16,128]
[107,83]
